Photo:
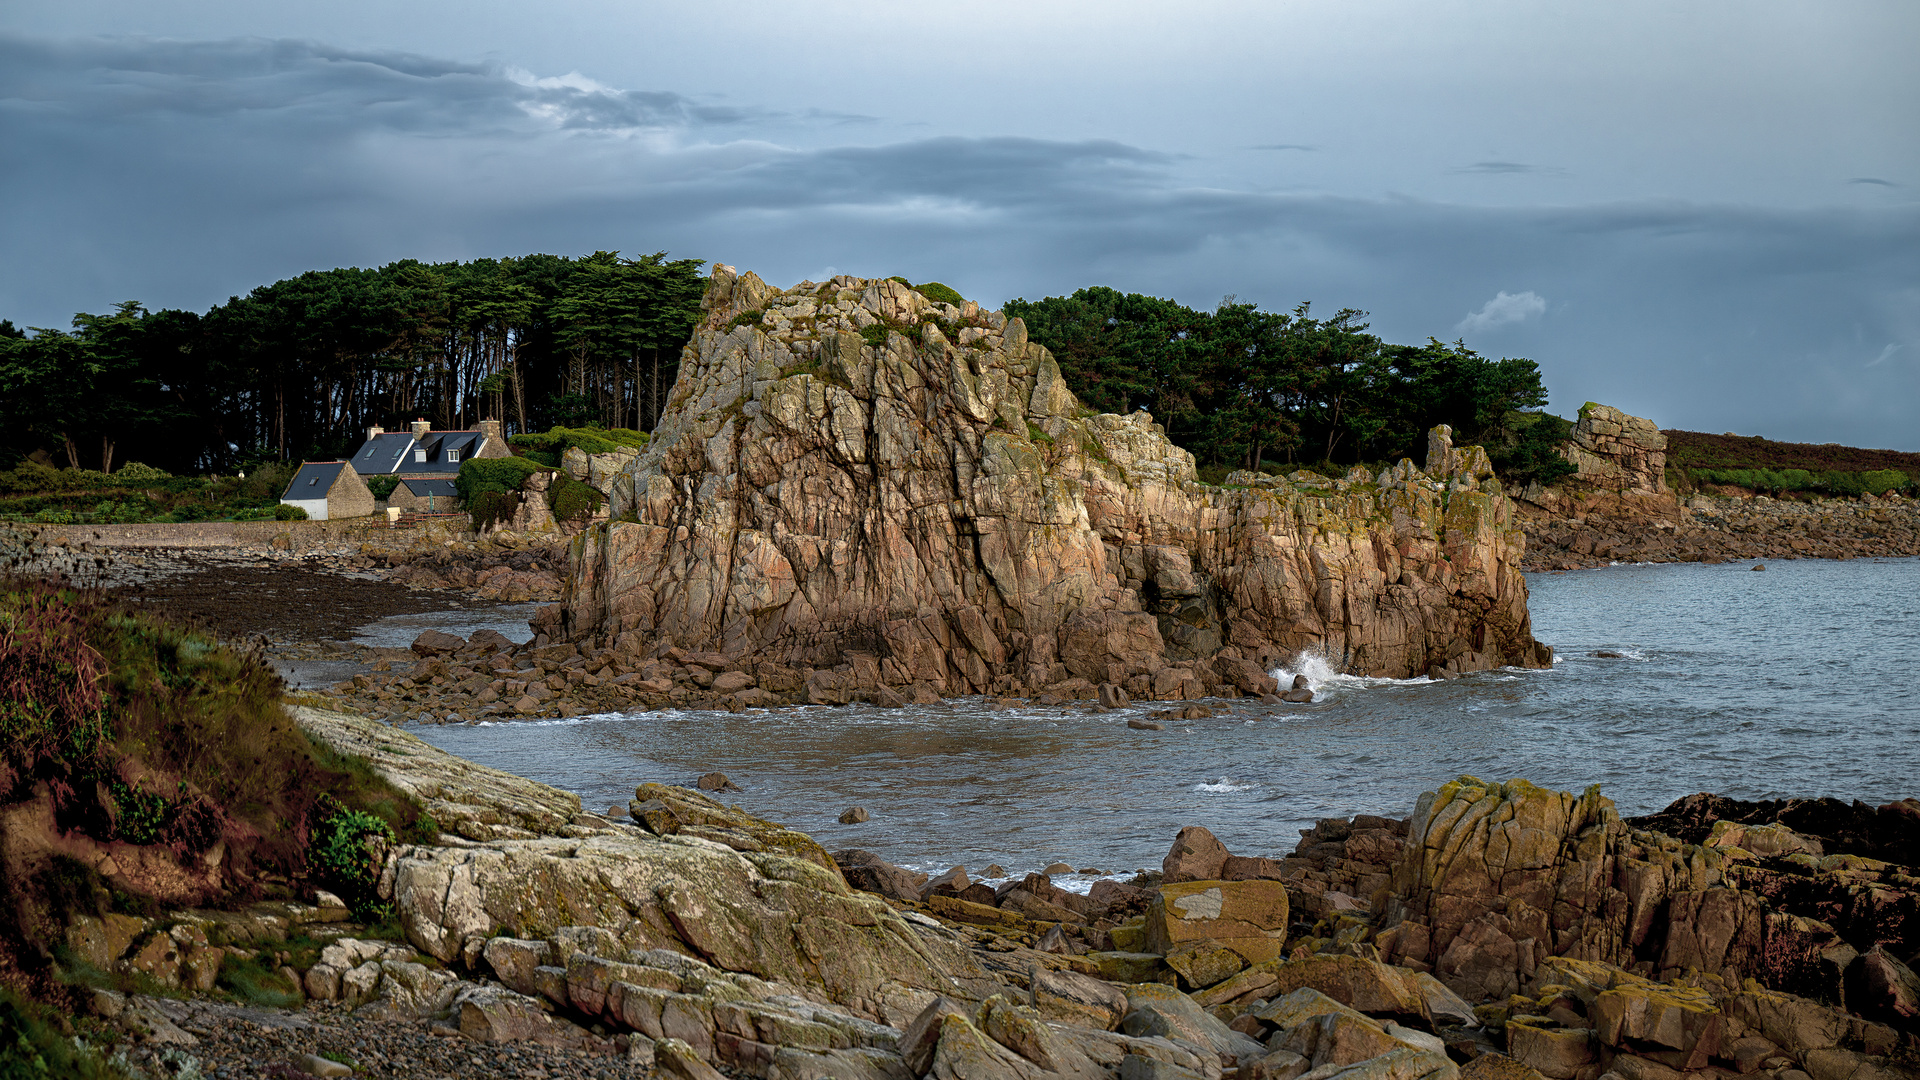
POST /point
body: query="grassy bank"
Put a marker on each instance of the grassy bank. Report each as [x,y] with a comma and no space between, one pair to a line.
[145,767]
[1695,458]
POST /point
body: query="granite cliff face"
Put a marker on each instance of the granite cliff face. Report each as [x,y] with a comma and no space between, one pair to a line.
[1617,452]
[851,476]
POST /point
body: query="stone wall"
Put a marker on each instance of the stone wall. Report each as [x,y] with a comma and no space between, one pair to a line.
[852,476]
[1618,452]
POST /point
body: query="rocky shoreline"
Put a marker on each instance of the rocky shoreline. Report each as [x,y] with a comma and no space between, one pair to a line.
[1571,534]
[1500,931]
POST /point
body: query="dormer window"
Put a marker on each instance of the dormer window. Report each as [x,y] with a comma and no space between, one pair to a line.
[453,455]
[419,455]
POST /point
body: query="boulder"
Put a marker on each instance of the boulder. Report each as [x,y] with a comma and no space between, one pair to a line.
[493,1014]
[1248,917]
[1556,1052]
[1069,997]
[437,643]
[488,637]
[1196,856]
[513,961]
[1882,988]
[950,883]
[1367,986]
[854,815]
[1675,1018]
[1156,1010]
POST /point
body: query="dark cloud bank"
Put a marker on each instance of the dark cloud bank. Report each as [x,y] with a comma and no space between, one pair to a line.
[179,173]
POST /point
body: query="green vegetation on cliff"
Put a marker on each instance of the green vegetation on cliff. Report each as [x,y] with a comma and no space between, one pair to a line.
[1240,387]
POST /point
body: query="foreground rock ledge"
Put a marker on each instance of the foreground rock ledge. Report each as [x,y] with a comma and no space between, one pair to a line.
[853,479]
[1504,930]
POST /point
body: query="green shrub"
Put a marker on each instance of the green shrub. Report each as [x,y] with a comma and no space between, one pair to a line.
[344,853]
[572,500]
[114,512]
[875,334]
[135,473]
[139,817]
[591,440]
[289,512]
[750,317]
[488,507]
[939,293]
[507,474]
[29,476]
[1779,481]
[51,516]
[258,513]
[382,486]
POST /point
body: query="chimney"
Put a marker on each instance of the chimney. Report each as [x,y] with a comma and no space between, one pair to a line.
[373,430]
[494,431]
[420,429]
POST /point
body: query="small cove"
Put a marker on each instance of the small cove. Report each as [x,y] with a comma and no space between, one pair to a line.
[1798,681]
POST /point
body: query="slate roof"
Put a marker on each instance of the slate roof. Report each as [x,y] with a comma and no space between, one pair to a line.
[424,486]
[437,444]
[314,480]
[397,452]
[382,454]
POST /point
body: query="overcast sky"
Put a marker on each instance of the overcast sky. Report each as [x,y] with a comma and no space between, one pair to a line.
[1707,213]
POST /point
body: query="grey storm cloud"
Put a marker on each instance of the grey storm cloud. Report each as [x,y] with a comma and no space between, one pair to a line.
[180,172]
[1509,168]
[282,82]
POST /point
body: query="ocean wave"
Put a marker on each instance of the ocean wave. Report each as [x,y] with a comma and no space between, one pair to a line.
[1221,786]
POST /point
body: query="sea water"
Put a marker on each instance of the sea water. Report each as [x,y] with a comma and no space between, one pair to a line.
[1796,681]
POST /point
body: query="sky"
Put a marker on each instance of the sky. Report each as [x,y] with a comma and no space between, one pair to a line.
[1705,213]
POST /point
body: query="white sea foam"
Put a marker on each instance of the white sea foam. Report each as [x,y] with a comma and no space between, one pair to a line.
[1324,675]
[1221,786]
[568,721]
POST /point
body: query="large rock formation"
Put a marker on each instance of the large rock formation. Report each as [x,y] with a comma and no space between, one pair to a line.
[1618,452]
[852,476]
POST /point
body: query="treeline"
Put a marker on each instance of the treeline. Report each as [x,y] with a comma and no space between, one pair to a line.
[1250,389]
[297,369]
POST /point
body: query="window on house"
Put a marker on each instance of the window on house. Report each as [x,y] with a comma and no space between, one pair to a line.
[453,455]
[419,455]
[312,480]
